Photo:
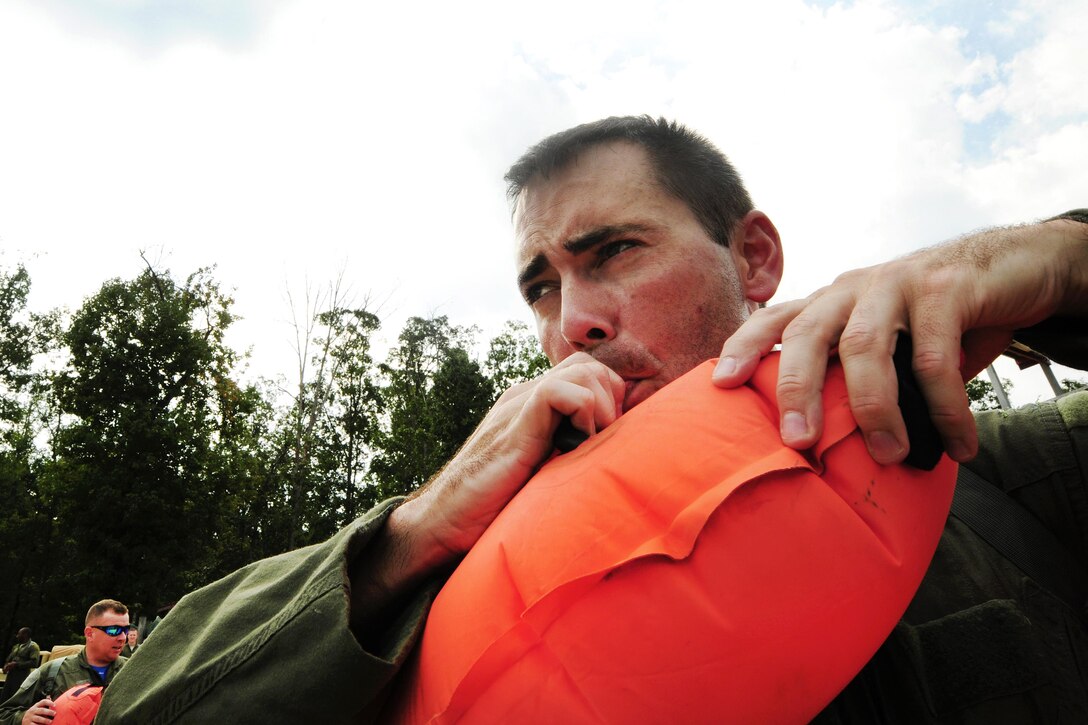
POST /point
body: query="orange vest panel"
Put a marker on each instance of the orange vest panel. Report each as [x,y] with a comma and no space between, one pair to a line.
[682,566]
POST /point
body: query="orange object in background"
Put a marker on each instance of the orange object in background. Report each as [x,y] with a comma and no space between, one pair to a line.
[78,705]
[682,566]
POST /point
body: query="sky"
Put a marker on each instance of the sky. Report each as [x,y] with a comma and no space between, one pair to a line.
[289,143]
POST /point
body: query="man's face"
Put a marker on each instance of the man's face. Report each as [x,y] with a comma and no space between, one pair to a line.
[132,635]
[613,265]
[22,636]
[102,648]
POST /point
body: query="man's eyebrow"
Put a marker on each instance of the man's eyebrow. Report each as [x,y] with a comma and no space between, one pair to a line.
[579,245]
[535,266]
[595,236]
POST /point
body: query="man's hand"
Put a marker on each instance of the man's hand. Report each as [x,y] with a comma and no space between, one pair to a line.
[40,713]
[8,667]
[969,294]
[445,518]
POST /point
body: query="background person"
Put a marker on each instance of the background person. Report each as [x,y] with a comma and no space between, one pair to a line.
[131,643]
[106,627]
[21,660]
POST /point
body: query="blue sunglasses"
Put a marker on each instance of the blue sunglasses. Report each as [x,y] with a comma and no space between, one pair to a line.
[112,630]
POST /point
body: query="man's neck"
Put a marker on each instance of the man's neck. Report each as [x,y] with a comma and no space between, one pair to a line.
[94,662]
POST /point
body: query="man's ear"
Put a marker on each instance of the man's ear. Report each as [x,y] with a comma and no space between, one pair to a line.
[757,253]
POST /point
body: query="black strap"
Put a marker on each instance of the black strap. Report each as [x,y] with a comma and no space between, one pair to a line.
[1020,537]
[50,677]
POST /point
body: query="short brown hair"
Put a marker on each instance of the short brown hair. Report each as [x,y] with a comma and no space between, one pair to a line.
[686,164]
[101,607]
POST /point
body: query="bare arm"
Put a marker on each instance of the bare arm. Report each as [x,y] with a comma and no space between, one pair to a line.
[435,528]
[971,294]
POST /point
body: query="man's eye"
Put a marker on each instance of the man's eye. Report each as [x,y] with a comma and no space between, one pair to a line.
[534,292]
[611,249]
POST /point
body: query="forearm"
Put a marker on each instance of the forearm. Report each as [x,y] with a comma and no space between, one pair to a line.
[1071,230]
[427,535]
[393,567]
[1063,337]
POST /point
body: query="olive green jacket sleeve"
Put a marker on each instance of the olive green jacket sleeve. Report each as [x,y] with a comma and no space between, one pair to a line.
[13,709]
[268,643]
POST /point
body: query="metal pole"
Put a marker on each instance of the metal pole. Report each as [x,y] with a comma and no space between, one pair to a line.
[999,390]
[1054,385]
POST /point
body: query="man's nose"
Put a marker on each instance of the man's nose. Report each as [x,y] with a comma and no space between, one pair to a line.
[588,317]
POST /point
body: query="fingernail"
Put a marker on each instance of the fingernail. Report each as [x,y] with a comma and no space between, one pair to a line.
[958,451]
[725,367]
[883,446]
[794,426]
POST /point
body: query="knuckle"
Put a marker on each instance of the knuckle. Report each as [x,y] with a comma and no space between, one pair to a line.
[948,416]
[583,397]
[802,326]
[868,408]
[792,384]
[859,338]
[931,364]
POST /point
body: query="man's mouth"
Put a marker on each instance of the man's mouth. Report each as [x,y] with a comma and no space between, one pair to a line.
[635,390]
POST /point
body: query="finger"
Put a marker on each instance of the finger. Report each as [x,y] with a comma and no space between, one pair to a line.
[806,344]
[865,349]
[936,363]
[578,401]
[608,387]
[752,341]
[608,390]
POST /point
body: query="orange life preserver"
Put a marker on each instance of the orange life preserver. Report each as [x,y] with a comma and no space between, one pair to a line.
[78,705]
[682,566]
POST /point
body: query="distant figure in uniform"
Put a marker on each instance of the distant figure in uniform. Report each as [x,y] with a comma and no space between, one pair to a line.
[23,658]
[132,644]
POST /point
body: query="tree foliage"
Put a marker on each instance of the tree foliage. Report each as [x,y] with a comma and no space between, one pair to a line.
[981,394]
[515,356]
[145,391]
[25,517]
[434,395]
[135,463]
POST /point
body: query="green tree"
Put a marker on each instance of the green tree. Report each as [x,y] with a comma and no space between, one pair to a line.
[1068,385]
[145,389]
[981,395]
[435,395]
[514,356]
[248,475]
[333,417]
[350,420]
[25,521]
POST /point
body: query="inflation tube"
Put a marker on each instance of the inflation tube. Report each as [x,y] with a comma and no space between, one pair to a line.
[682,566]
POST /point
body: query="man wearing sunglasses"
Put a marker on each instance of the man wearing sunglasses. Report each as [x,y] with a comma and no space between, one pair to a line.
[106,630]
